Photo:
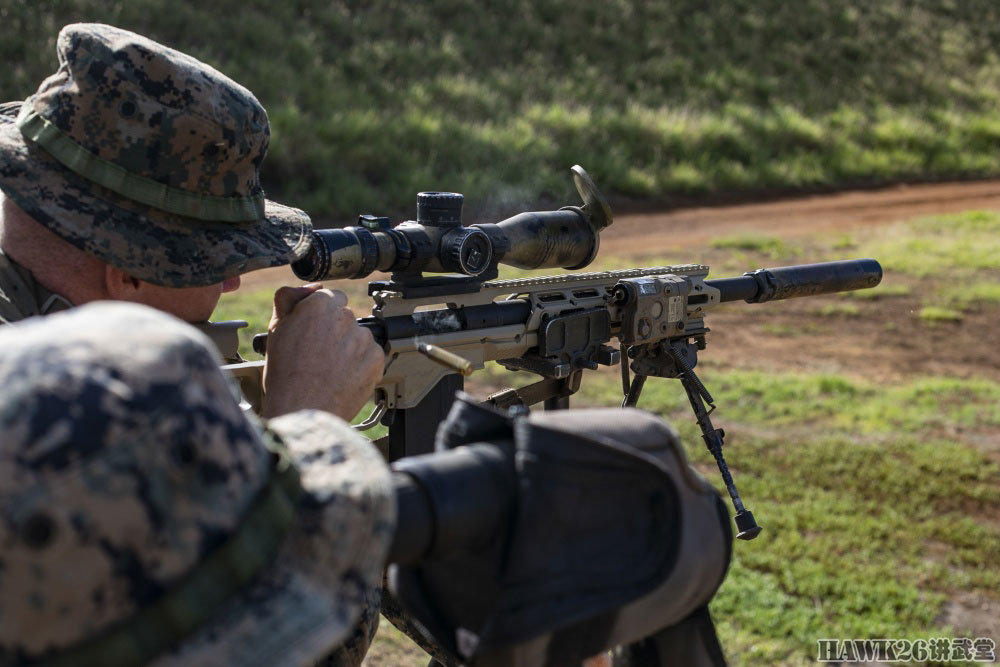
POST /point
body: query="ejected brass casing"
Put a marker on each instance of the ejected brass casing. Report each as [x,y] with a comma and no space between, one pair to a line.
[446,358]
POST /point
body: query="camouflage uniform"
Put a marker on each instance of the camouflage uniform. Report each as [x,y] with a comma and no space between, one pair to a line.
[22,296]
[139,507]
[149,160]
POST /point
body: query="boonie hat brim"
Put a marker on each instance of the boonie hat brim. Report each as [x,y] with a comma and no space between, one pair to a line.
[172,532]
[309,599]
[147,243]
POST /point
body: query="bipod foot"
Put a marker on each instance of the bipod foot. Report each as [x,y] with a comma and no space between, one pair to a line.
[746,525]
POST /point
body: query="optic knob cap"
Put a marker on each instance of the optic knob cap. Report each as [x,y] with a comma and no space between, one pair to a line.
[439,209]
[466,250]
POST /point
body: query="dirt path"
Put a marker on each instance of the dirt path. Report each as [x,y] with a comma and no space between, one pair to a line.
[641,234]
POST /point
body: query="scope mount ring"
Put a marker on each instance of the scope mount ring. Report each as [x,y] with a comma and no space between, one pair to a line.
[596,205]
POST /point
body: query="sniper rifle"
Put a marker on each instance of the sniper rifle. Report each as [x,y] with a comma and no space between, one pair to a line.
[437,329]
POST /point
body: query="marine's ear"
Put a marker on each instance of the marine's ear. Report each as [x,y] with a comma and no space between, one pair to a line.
[121,286]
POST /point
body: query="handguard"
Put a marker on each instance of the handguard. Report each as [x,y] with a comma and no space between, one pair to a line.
[608,537]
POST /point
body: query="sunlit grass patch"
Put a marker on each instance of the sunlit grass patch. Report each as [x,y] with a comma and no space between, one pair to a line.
[839,309]
[881,292]
[969,295]
[844,243]
[934,314]
[785,330]
[825,402]
[960,243]
[960,224]
[767,245]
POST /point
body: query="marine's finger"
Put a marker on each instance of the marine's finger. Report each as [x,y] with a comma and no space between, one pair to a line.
[285,298]
[338,297]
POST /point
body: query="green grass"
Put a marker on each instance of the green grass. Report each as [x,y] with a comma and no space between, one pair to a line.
[880,293]
[965,297]
[844,243]
[938,314]
[824,402]
[870,520]
[839,310]
[955,245]
[766,245]
[371,102]
[783,330]
[251,306]
[954,259]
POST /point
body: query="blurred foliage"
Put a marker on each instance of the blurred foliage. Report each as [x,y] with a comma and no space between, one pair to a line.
[372,101]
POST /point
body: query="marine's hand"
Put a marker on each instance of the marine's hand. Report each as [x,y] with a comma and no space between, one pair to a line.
[317,355]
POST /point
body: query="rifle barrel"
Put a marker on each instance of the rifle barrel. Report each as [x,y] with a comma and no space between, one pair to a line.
[787,282]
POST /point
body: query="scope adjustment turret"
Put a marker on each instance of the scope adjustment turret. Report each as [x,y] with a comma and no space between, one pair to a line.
[466,250]
[439,209]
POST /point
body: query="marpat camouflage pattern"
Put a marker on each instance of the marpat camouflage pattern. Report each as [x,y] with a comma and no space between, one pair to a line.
[129,130]
[119,473]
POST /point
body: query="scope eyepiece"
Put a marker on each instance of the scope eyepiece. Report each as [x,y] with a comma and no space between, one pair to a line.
[316,263]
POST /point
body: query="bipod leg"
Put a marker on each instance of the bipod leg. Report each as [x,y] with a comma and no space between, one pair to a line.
[626,381]
[634,389]
[698,396]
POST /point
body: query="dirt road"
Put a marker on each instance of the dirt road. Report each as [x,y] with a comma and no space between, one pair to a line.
[634,235]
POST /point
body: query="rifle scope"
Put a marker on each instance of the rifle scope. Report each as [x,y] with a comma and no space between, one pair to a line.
[438,242]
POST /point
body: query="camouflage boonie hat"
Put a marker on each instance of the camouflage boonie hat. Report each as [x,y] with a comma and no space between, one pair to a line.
[140,508]
[149,160]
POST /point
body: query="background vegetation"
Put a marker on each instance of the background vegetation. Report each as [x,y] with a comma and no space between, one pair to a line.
[662,101]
